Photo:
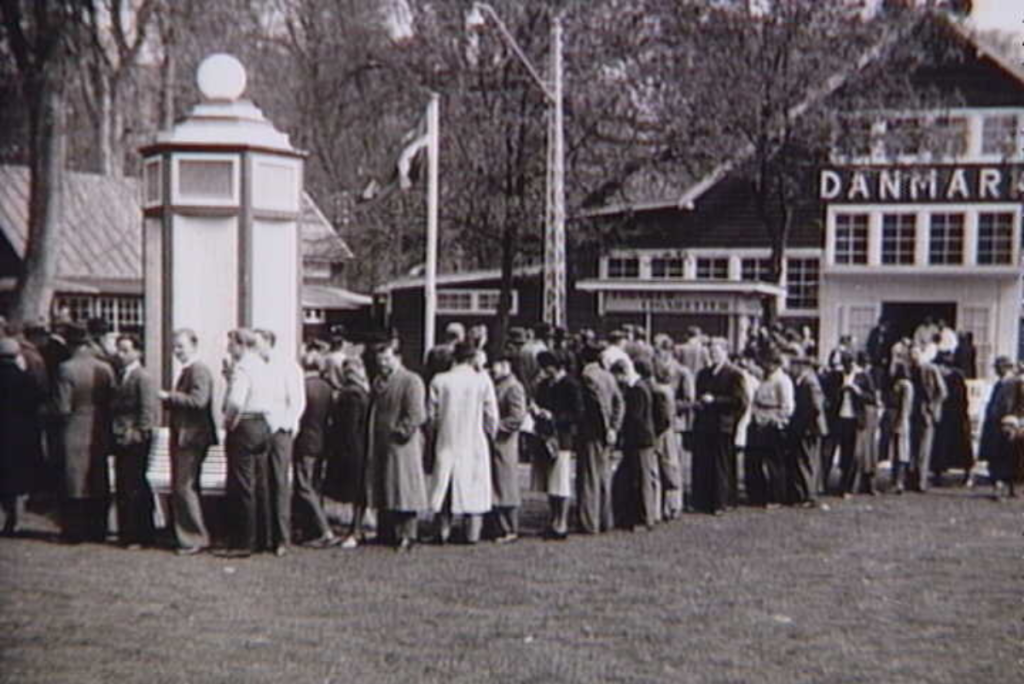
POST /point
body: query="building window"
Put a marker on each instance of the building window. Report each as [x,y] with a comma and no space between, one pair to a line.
[903,137]
[851,239]
[899,236]
[802,278]
[314,316]
[153,185]
[623,267]
[952,136]
[320,270]
[206,179]
[856,138]
[667,267]
[712,268]
[123,314]
[756,270]
[473,302]
[995,238]
[999,135]
[946,241]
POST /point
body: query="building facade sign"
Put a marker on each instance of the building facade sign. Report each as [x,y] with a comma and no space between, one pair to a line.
[961,183]
[677,302]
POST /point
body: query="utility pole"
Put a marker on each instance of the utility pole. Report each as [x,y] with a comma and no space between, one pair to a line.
[554,310]
[554,227]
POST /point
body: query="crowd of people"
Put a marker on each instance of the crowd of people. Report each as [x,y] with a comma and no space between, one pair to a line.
[619,432]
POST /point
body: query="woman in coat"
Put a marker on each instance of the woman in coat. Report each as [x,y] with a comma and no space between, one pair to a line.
[20,432]
[345,480]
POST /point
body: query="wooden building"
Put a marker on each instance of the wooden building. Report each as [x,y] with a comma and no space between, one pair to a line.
[99,267]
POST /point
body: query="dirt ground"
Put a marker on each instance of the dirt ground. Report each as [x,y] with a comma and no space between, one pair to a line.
[913,589]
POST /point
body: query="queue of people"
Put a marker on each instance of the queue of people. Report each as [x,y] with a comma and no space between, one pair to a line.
[619,432]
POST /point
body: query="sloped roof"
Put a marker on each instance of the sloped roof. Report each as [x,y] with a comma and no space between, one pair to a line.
[687,199]
[102,227]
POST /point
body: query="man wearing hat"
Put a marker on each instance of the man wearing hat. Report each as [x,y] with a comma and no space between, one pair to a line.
[808,424]
[84,390]
[440,357]
[20,437]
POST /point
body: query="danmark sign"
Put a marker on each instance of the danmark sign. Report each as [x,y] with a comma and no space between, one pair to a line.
[974,183]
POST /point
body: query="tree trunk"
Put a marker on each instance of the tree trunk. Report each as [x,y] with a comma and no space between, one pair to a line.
[47,133]
[168,73]
[104,120]
[509,235]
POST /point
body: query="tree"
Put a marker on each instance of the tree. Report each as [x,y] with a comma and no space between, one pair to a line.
[759,92]
[44,36]
[117,32]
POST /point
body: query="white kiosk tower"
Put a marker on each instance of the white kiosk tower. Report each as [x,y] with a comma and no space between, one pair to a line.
[222,198]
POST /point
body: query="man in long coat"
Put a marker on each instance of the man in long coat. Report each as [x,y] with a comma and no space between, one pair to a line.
[398,413]
[721,400]
[193,432]
[511,398]
[134,410]
[463,413]
[603,411]
[84,389]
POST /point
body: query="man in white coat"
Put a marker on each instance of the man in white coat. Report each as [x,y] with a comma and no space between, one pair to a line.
[464,413]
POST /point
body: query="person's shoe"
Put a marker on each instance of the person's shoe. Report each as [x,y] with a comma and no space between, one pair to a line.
[771,506]
[507,538]
[847,496]
[350,542]
[189,550]
[133,546]
[324,542]
[281,551]
[234,554]
[405,546]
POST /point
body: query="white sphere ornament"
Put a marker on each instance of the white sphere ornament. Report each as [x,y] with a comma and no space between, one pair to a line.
[221,77]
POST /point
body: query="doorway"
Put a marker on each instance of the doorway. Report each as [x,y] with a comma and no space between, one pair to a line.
[904,317]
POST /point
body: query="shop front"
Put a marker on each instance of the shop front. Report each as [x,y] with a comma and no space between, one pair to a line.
[721,308]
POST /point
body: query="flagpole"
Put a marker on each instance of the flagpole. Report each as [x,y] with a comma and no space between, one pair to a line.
[430,278]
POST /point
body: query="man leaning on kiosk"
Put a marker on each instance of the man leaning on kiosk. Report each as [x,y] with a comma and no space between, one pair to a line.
[193,432]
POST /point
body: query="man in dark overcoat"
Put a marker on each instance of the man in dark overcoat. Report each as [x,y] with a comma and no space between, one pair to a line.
[21,399]
[134,415]
[84,390]
[721,401]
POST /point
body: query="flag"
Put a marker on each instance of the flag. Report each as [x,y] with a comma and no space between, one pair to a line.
[406,167]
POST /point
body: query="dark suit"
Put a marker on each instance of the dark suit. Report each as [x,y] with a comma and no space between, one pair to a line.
[134,410]
[714,431]
[85,387]
[602,411]
[851,431]
[192,433]
[639,472]
[808,424]
[308,454]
